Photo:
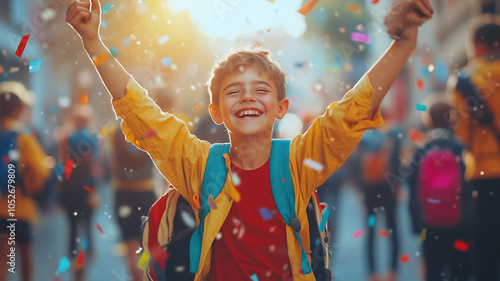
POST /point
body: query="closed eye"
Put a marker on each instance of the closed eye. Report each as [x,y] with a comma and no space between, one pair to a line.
[262,90]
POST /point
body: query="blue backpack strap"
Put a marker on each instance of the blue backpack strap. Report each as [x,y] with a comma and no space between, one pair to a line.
[213,182]
[283,193]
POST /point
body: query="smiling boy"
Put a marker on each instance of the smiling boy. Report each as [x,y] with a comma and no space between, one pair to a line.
[247,91]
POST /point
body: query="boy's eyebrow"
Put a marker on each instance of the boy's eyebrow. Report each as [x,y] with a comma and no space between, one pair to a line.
[252,82]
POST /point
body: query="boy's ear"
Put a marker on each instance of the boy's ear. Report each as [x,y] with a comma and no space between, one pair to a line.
[215,113]
[282,108]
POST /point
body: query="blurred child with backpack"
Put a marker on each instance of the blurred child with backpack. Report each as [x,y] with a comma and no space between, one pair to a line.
[77,195]
[441,199]
[22,174]
[379,152]
[248,93]
[132,171]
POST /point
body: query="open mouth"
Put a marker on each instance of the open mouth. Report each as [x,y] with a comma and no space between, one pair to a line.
[248,113]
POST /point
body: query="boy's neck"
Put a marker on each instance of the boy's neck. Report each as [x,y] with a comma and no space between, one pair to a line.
[250,152]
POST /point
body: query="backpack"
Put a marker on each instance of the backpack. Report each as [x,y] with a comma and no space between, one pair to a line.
[170,230]
[9,156]
[440,188]
[133,163]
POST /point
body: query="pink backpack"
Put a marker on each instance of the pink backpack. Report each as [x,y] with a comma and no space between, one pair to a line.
[440,188]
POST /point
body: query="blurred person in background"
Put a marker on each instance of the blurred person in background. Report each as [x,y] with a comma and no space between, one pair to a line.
[441,202]
[476,93]
[378,155]
[77,195]
[132,171]
[22,154]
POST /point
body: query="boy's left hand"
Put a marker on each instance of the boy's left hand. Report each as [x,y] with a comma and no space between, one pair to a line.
[404,18]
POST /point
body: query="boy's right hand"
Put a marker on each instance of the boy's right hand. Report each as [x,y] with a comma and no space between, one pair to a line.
[84,16]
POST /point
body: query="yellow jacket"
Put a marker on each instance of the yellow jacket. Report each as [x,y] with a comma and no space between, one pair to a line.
[484,160]
[181,157]
[33,172]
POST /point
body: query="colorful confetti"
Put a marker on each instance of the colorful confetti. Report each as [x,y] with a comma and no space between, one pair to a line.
[461,245]
[420,84]
[99,228]
[371,220]
[313,165]
[211,203]
[22,45]
[106,8]
[308,7]
[324,219]
[360,37]
[266,214]
[404,258]
[375,2]
[166,61]
[100,59]
[113,51]
[34,66]
[1,69]
[81,258]
[421,107]
[433,201]
[162,40]
[422,236]
[383,233]
[64,265]
[353,8]
[68,167]
[358,233]
[151,133]
[88,189]
[254,277]
[143,261]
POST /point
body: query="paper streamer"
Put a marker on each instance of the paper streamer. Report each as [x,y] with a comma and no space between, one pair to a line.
[106,8]
[360,37]
[308,7]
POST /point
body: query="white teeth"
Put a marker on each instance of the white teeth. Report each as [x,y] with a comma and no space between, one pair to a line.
[249,112]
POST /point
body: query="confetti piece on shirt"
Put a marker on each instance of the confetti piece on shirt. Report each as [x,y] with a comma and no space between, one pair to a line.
[34,66]
[324,219]
[404,258]
[162,40]
[461,245]
[313,165]
[266,214]
[113,51]
[422,236]
[421,107]
[81,258]
[151,133]
[22,45]
[383,233]
[106,8]
[143,261]
[64,265]
[88,189]
[358,233]
[99,228]
[420,84]
[371,220]
[166,61]
[211,203]
[308,7]
[254,277]
[433,201]
[360,37]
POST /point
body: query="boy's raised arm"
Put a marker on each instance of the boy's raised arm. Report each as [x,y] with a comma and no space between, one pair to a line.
[402,24]
[84,16]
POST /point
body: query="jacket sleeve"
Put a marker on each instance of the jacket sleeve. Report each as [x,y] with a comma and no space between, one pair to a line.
[31,161]
[316,154]
[180,156]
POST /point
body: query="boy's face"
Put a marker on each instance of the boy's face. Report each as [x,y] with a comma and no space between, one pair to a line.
[248,103]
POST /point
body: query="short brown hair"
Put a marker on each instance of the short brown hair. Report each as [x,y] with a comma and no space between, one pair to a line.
[238,60]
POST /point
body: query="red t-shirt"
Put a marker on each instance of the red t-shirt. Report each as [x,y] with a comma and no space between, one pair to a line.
[252,239]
